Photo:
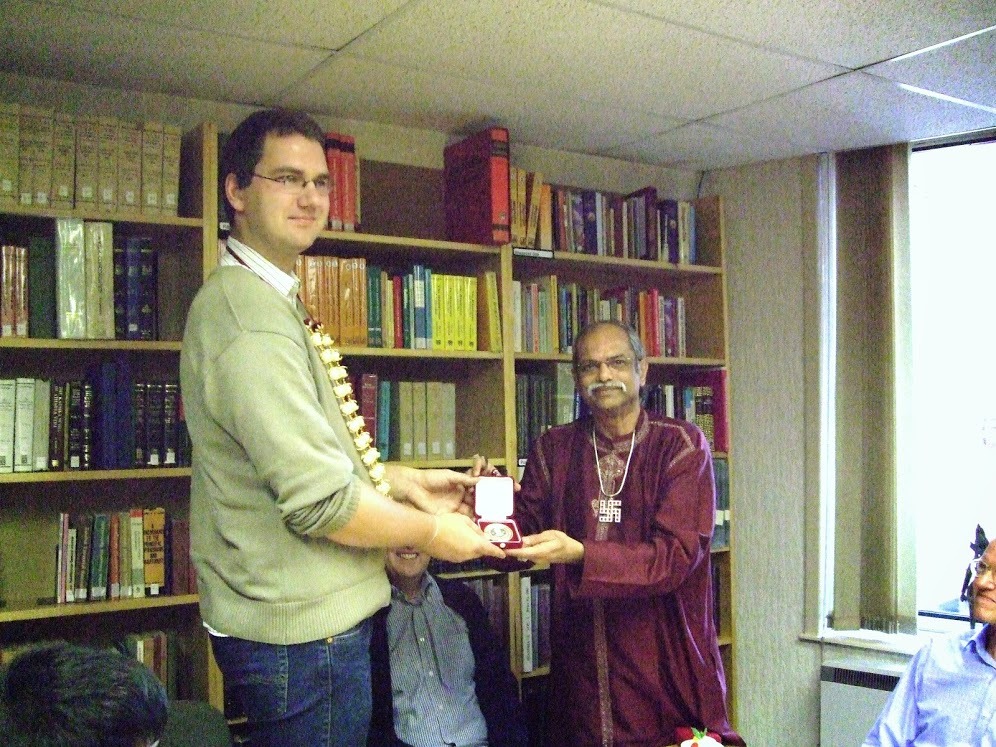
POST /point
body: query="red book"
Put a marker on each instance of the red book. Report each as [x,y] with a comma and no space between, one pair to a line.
[347,181]
[475,184]
[368,403]
[334,162]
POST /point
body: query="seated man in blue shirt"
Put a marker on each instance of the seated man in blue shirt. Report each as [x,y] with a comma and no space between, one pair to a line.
[440,675]
[947,696]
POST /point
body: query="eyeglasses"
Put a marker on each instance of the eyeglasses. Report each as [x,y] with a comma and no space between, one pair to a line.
[295,184]
[618,364]
[980,568]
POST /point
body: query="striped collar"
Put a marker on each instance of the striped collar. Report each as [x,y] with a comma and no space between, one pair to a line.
[238,254]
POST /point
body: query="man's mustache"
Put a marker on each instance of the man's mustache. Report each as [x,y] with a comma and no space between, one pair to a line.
[594,387]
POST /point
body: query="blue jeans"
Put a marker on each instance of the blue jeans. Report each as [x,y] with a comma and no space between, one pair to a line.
[304,695]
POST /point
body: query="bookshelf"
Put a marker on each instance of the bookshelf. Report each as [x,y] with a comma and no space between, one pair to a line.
[703,288]
[394,237]
[30,502]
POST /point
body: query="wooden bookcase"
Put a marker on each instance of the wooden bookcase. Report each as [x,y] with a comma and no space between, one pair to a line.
[703,286]
[31,501]
[402,224]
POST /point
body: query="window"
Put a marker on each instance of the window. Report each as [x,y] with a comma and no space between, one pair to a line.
[952,456]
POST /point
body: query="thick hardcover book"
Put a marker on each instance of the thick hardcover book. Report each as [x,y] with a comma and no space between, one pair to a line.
[84,549]
[383,441]
[348,188]
[137,525]
[99,556]
[138,424]
[667,212]
[333,144]
[70,278]
[155,424]
[24,427]
[107,167]
[10,129]
[148,295]
[42,418]
[8,406]
[124,436]
[98,252]
[74,431]
[375,324]
[41,287]
[124,553]
[88,426]
[476,188]
[526,616]
[179,555]
[129,167]
[171,403]
[87,161]
[152,168]
[154,549]
[419,429]
[368,403]
[172,137]
[114,557]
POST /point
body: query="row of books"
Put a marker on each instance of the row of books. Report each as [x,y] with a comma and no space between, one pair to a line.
[632,226]
[52,159]
[162,651]
[542,401]
[489,201]
[535,612]
[547,315]
[364,305]
[122,555]
[408,420]
[110,421]
[85,285]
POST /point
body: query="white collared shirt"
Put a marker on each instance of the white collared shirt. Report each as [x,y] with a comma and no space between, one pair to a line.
[240,255]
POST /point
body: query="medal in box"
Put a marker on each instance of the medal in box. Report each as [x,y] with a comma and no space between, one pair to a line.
[494,505]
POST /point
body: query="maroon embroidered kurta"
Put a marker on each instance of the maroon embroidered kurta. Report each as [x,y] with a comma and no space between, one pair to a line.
[633,640]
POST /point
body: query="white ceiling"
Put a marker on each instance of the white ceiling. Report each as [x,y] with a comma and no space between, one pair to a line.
[694,84]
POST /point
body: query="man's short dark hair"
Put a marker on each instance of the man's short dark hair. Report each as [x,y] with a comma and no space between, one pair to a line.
[60,694]
[244,147]
[635,343]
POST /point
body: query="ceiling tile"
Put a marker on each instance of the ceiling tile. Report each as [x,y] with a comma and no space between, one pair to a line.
[324,24]
[853,111]
[696,146]
[358,88]
[111,51]
[577,49]
[852,33]
[965,70]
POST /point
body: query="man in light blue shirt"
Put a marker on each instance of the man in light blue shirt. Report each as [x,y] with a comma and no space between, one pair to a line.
[947,696]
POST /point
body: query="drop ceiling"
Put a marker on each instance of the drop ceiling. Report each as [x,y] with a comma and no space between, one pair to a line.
[699,84]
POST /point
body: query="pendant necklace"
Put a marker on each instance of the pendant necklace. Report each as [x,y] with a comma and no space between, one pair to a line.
[609,507]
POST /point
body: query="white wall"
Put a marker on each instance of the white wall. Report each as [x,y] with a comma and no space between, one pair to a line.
[776,676]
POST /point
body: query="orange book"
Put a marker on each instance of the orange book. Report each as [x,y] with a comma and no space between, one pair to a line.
[329,293]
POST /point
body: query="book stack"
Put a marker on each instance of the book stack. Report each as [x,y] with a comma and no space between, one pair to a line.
[133,553]
[527,196]
[110,421]
[638,225]
[363,305]
[51,159]
[344,194]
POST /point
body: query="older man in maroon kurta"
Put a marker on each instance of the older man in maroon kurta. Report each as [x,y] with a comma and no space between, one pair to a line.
[623,504]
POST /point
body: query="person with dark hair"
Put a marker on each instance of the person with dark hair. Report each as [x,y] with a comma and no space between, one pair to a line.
[947,695]
[440,673]
[64,695]
[622,504]
[291,508]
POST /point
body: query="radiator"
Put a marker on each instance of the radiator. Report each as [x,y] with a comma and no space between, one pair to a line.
[851,697]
